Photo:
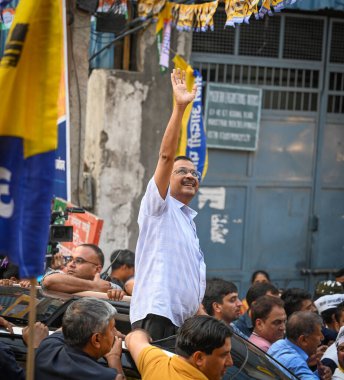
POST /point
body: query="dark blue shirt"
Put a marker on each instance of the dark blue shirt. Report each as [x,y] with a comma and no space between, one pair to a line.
[56,360]
[9,369]
[244,324]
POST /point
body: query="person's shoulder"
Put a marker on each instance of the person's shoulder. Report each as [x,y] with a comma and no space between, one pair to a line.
[53,340]
[149,355]
[338,375]
[277,346]
[51,272]
[152,203]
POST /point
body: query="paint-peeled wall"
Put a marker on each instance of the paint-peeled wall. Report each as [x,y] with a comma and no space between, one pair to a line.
[112,152]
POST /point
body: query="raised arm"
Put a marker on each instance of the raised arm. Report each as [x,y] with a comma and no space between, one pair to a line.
[136,341]
[170,139]
[69,284]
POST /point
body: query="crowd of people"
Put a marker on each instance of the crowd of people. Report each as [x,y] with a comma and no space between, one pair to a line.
[166,279]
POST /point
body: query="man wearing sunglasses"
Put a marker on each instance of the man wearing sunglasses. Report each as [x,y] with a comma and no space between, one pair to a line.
[169,265]
[82,273]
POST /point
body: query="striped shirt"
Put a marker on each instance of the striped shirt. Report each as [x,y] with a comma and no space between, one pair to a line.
[169,265]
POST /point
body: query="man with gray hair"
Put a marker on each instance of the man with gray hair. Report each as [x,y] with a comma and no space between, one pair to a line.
[303,336]
[88,334]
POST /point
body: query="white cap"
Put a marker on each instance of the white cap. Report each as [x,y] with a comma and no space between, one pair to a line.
[328,302]
[340,337]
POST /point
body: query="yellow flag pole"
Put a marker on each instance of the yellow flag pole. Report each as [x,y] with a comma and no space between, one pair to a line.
[30,363]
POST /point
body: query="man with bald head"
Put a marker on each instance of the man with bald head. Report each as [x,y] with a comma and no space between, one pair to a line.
[169,265]
[303,336]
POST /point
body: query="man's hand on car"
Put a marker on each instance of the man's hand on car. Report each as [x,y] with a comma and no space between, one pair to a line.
[115,294]
[40,331]
[7,325]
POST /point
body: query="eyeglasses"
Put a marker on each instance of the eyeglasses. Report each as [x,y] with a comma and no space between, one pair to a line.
[185,171]
[78,261]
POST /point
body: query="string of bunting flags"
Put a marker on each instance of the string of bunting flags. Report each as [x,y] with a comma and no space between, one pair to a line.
[199,17]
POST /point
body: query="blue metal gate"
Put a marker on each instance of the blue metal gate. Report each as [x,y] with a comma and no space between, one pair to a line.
[280,208]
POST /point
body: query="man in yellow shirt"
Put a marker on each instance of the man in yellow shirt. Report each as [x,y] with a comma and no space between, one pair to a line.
[202,352]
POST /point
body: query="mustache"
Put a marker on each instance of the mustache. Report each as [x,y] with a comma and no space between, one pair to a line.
[187,181]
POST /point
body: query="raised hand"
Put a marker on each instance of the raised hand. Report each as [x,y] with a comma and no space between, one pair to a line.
[181,95]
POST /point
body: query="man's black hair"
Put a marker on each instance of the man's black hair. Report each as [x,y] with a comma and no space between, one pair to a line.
[293,299]
[339,273]
[96,250]
[184,158]
[216,289]
[328,315]
[259,289]
[201,333]
[262,306]
[255,274]
[124,257]
[339,311]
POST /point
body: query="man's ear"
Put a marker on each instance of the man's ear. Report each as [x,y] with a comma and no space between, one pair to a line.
[99,268]
[198,358]
[302,341]
[95,340]
[217,307]
[259,324]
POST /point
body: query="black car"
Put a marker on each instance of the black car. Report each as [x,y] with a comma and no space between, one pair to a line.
[249,361]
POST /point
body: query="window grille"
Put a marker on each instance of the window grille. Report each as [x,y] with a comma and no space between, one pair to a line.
[290,59]
[219,41]
[260,38]
[337,43]
[336,93]
[303,38]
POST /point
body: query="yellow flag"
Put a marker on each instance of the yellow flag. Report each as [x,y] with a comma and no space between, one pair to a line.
[30,73]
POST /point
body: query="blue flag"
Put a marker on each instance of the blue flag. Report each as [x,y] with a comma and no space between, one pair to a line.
[26,187]
[196,147]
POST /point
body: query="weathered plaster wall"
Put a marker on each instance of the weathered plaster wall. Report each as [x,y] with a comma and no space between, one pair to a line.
[78,37]
[127,113]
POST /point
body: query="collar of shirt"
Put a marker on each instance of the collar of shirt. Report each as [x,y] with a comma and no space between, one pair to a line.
[185,208]
[247,320]
[183,367]
[297,349]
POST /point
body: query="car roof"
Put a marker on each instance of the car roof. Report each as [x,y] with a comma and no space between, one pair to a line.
[249,361]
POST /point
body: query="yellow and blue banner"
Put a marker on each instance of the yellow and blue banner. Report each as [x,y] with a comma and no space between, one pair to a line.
[192,142]
[30,72]
[62,156]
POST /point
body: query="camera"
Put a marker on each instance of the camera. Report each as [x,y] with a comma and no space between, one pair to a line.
[58,233]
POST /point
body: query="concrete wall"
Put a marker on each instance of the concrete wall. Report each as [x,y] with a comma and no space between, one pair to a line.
[127,113]
[78,37]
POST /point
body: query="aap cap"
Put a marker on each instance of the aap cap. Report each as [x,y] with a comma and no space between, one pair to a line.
[328,302]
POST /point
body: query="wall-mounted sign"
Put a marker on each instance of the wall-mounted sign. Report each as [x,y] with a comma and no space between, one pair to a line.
[232,116]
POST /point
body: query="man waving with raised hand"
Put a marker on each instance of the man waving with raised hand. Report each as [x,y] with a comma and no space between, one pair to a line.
[170,268]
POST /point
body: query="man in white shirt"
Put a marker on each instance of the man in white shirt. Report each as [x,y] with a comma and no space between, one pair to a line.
[169,265]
